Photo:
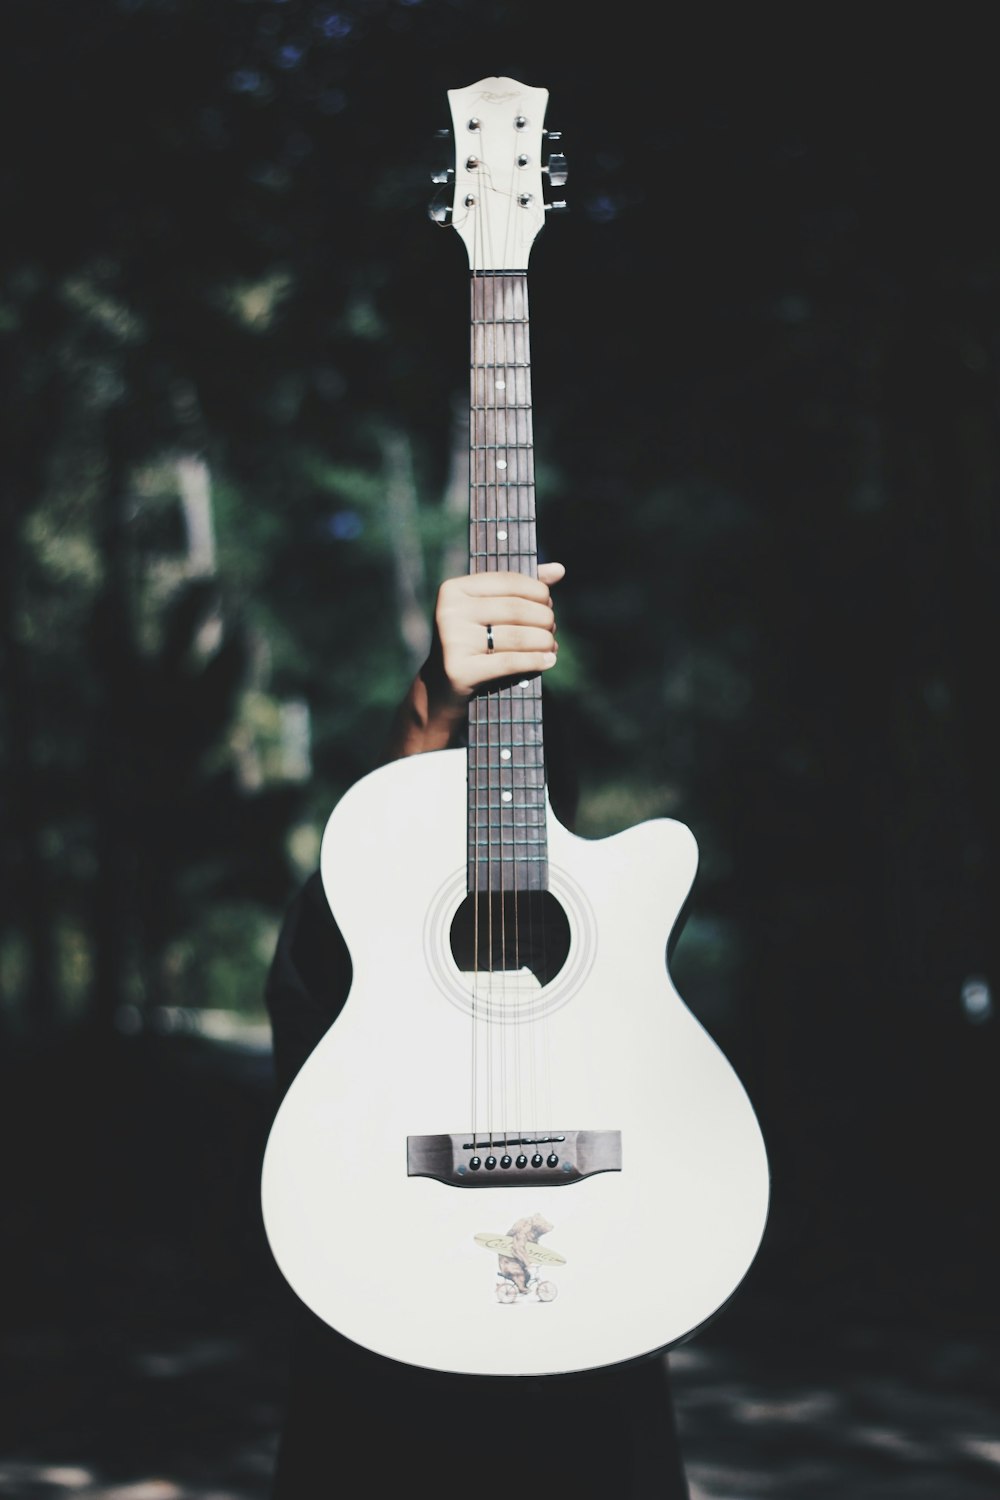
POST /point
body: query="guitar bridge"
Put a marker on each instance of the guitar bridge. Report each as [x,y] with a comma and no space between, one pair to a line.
[536,1159]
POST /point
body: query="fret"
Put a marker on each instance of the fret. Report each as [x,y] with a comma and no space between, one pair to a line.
[489,767]
[496,447]
[499,322]
[497,771]
[500,364]
[494,841]
[496,806]
[489,761]
[500,810]
[524,803]
[495,816]
[505,827]
[495,819]
[504,406]
[511,843]
[500,723]
[502,552]
[511,858]
[501,879]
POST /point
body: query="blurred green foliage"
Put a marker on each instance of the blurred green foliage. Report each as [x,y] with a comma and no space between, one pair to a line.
[764,354]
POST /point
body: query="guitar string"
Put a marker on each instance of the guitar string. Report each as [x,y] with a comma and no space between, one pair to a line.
[510,310]
[525,548]
[493,545]
[499,1006]
[496,360]
[485,703]
[500,314]
[482,508]
[509,327]
[512,359]
[501,362]
[478,376]
[473,792]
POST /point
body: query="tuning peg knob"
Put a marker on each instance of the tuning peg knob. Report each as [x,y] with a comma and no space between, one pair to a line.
[440,213]
[559,207]
[557,169]
[553,135]
[443,175]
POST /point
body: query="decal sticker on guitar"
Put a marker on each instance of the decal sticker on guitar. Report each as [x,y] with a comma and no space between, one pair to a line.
[519,1255]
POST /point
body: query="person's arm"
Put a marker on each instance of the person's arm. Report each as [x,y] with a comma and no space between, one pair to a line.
[511,610]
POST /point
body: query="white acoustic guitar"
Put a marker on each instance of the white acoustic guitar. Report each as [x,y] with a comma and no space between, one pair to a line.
[516,1151]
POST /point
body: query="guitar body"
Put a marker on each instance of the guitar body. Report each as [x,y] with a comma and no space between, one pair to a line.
[501,1274]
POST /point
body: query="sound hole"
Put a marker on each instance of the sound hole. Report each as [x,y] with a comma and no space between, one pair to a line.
[516,932]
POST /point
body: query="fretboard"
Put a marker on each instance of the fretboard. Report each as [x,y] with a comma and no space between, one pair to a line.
[506,822]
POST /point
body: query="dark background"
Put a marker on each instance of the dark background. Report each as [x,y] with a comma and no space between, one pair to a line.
[765,345]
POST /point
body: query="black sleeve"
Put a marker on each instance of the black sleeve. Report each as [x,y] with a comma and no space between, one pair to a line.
[308,981]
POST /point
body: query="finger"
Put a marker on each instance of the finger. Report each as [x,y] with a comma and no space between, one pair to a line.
[508,638]
[551,572]
[518,585]
[505,610]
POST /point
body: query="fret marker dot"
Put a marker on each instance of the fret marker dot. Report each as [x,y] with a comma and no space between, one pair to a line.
[501,385]
[524,683]
[501,463]
[505,755]
[506,796]
[501,536]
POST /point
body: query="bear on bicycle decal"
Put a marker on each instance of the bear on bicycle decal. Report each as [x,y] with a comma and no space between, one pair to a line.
[519,1257]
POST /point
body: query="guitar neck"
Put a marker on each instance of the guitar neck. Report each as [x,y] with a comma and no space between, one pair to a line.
[506,816]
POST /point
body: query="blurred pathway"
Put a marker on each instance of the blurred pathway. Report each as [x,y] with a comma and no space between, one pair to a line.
[142,1356]
[183,1418]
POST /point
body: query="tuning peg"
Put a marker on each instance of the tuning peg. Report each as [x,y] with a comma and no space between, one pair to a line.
[443,134]
[556,168]
[443,175]
[553,135]
[559,207]
[440,213]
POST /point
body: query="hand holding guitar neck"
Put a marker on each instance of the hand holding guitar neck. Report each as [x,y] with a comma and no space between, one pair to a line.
[487,627]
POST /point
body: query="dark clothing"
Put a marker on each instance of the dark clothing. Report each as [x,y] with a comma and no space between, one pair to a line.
[607,1434]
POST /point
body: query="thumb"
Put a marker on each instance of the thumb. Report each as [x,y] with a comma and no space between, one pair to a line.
[551,572]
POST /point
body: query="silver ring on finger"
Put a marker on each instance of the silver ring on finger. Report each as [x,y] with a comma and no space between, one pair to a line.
[489,639]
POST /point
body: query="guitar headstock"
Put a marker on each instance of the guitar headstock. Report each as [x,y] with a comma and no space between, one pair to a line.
[497,204]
